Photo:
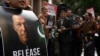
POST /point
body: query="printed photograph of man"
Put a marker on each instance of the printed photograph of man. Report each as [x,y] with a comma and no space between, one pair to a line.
[23,38]
[17,35]
[20,28]
[22,33]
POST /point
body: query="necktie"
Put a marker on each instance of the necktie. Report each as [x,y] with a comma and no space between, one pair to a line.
[61,22]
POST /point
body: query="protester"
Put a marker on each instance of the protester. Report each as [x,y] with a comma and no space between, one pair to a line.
[77,39]
[69,28]
[63,27]
[43,18]
[18,4]
[70,15]
[97,36]
[72,18]
[88,29]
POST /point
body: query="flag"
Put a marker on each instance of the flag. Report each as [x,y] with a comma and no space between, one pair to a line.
[91,10]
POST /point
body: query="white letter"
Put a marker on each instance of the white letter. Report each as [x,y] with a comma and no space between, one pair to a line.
[22,53]
[14,53]
[31,52]
[19,52]
[38,51]
[34,50]
[27,52]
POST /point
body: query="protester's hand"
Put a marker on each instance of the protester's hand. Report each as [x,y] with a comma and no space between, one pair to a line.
[86,39]
[74,26]
[50,35]
[55,26]
[90,32]
[98,26]
[63,28]
[59,30]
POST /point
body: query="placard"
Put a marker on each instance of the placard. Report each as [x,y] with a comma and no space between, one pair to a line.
[21,32]
[50,21]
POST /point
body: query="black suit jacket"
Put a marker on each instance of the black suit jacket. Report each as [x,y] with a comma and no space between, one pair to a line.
[66,34]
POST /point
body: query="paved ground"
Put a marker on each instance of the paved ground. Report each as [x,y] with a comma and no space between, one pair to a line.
[57,50]
[83,53]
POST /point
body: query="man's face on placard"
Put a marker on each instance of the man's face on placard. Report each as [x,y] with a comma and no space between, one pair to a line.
[16,3]
[19,27]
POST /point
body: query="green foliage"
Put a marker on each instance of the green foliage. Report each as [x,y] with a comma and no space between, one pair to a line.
[75,5]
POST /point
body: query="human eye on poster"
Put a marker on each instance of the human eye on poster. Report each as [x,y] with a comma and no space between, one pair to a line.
[22,34]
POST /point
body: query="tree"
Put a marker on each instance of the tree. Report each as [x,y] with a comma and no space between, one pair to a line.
[82,5]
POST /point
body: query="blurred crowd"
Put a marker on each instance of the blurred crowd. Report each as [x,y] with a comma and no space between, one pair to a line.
[72,32]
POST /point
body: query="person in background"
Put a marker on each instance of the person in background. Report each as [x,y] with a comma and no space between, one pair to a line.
[51,39]
[70,15]
[97,36]
[72,18]
[63,28]
[18,4]
[43,20]
[88,29]
[77,39]
[43,16]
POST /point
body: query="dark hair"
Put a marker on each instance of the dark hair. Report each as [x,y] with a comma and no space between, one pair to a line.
[63,11]
[68,10]
[89,14]
[78,17]
[43,8]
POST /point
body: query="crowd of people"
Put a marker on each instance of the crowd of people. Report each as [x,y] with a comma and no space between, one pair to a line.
[74,32]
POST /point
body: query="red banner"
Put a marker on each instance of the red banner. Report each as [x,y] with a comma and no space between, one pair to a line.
[50,7]
[91,10]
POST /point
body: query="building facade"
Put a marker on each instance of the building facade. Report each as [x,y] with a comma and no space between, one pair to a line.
[37,4]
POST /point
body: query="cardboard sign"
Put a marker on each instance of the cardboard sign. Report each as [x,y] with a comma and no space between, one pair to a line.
[51,8]
[50,21]
[91,10]
[21,32]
